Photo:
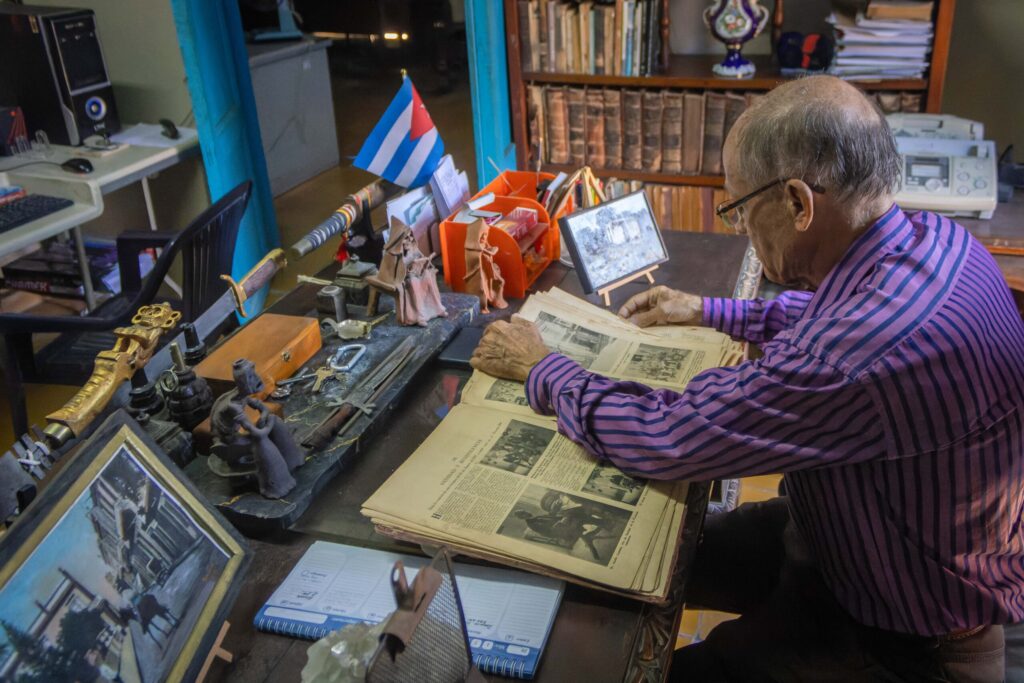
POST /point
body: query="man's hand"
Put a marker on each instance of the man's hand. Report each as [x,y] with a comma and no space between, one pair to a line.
[663,306]
[509,350]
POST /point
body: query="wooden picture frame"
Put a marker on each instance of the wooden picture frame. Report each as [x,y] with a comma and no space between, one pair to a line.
[604,240]
[120,569]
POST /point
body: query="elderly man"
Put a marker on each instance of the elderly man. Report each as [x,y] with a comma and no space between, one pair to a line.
[891,393]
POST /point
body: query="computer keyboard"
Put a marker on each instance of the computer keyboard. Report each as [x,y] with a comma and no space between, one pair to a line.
[29,208]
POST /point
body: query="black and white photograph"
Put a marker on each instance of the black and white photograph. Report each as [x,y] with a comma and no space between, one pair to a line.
[575,526]
[657,363]
[114,590]
[580,343]
[505,391]
[609,482]
[613,240]
[519,447]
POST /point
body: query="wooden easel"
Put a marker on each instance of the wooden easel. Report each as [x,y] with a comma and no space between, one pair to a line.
[216,652]
[604,292]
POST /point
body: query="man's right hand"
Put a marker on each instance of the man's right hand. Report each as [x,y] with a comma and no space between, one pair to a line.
[663,306]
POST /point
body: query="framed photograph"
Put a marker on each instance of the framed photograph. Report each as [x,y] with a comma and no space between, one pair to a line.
[119,571]
[614,241]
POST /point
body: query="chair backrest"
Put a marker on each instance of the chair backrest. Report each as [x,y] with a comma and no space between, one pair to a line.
[210,249]
[208,246]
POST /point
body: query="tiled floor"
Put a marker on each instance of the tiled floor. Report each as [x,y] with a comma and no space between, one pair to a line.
[696,624]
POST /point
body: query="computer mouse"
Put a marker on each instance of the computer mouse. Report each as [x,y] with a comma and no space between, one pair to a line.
[77,165]
[169,129]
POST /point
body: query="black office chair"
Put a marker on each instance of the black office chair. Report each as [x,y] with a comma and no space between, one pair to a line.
[207,246]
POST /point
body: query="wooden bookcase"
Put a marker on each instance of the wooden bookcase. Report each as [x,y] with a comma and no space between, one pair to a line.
[693,72]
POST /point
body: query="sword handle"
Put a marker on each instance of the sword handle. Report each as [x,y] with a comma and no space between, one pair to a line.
[324,433]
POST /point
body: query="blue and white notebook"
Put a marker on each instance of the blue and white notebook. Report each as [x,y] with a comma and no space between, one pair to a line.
[508,613]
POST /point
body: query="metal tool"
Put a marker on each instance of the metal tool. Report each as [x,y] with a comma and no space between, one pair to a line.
[306,375]
[345,358]
[362,397]
[351,329]
[330,300]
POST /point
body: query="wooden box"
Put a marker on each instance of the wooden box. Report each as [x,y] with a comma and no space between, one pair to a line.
[278,345]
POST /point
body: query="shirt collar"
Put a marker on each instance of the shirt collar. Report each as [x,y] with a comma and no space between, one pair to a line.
[883,237]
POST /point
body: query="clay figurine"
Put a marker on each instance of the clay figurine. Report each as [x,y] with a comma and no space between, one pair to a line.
[410,277]
[267,444]
[483,277]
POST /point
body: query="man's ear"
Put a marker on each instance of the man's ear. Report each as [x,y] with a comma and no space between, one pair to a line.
[800,203]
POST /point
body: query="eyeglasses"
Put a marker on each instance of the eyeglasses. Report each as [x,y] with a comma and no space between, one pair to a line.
[729,212]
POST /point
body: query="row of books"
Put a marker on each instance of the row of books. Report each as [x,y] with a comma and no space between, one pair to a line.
[881,44]
[688,208]
[54,270]
[656,131]
[621,38]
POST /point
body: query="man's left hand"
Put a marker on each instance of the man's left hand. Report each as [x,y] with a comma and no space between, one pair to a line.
[509,350]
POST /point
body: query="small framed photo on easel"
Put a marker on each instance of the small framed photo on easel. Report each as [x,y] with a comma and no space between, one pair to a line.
[614,243]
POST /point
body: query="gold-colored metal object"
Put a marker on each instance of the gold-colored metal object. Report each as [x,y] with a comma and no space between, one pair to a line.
[134,347]
[258,276]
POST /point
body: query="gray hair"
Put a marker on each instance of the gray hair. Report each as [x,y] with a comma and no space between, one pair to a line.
[794,132]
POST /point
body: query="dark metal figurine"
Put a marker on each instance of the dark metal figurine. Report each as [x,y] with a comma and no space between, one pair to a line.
[267,445]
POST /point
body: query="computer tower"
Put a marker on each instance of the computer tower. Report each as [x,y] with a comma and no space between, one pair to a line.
[53,68]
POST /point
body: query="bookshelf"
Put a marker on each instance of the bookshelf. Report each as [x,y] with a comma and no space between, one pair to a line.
[693,73]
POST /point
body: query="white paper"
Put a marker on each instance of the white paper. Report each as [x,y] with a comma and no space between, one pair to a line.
[151,135]
[450,188]
[416,209]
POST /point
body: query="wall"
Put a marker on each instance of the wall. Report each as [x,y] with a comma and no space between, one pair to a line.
[986,69]
[140,46]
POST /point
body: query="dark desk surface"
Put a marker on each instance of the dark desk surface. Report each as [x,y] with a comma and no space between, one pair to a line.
[596,636]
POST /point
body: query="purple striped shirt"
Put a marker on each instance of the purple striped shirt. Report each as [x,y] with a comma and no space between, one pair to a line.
[893,398]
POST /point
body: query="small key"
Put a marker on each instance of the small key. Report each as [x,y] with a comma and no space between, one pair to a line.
[322,375]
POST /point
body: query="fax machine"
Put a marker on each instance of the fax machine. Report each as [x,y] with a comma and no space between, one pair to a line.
[947,165]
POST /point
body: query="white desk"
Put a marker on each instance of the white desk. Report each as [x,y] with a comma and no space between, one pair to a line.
[111,172]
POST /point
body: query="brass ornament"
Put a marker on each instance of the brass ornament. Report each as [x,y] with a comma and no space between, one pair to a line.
[134,347]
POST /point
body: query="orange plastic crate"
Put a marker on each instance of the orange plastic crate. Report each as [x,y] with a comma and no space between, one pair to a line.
[512,189]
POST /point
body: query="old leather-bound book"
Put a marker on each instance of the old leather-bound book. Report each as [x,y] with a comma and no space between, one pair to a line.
[652,131]
[577,126]
[558,125]
[672,132]
[536,123]
[612,128]
[693,132]
[735,105]
[595,129]
[714,129]
[632,130]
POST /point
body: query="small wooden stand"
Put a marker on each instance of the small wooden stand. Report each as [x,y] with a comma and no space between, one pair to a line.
[216,652]
[604,292]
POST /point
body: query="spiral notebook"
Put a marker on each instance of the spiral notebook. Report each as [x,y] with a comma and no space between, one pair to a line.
[508,613]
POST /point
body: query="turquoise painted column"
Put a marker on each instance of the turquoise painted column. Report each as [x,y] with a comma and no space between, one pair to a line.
[217,69]
[488,78]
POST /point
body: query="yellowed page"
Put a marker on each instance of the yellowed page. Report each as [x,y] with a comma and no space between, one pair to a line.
[514,485]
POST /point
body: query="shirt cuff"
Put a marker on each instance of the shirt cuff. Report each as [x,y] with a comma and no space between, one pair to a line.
[546,380]
[728,316]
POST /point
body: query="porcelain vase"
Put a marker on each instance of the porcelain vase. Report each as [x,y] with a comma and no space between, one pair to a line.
[734,22]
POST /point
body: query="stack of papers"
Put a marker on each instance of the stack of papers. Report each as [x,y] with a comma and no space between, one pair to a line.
[871,49]
[497,481]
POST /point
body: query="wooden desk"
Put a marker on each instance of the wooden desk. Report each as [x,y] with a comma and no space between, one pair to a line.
[1003,235]
[597,636]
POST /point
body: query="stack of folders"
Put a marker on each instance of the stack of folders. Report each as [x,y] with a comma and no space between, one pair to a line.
[508,613]
[881,44]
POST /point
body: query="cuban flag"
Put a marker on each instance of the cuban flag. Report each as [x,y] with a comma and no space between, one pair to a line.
[404,147]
